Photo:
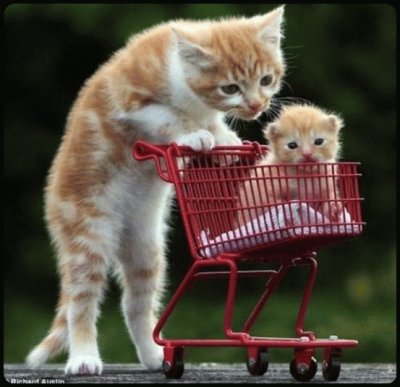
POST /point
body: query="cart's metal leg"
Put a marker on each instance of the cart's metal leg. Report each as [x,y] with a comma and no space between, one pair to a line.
[230,299]
[270,287]
[174,300]
[187,281]
[306,296]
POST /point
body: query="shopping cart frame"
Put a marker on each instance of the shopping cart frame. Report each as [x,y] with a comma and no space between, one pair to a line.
[295,253]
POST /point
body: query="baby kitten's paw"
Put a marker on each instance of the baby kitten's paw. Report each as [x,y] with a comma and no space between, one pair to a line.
[332,210]
[84,365]
[200,141]
[336,210]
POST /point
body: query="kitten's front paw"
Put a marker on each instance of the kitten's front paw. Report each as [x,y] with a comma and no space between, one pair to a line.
[84,365]
[200,141]
[227,137]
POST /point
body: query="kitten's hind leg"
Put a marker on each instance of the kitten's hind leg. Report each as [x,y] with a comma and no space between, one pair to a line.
[142,280]
[87,281]
[85,257]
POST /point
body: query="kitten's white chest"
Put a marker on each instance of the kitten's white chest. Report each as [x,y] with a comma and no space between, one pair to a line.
[141,189]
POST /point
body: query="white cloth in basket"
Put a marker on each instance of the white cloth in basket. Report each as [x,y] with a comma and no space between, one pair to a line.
[279,222]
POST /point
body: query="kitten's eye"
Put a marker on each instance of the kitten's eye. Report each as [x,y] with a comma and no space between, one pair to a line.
[319,141]
[230,89]
[266,80]
[292,145]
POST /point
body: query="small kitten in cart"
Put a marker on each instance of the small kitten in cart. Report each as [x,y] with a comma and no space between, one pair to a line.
[301,134]
[174,82]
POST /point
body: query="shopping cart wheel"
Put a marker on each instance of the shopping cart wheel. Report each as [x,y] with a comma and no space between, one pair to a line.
[331,366]
[173,365]
[257,361]
[302,371]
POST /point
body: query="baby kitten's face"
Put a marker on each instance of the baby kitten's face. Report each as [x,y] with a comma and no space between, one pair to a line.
[238,65]
[305,135]
[304,146]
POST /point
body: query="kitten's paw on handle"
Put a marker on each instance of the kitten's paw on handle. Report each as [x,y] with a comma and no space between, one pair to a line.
[200,141]
[227,138]
[84,365]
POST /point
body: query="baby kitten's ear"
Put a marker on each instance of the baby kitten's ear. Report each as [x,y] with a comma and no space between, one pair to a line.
[335,122]
[191,52]
[271,131]
[270,27]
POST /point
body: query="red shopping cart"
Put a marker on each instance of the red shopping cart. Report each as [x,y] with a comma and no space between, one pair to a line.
[238,211]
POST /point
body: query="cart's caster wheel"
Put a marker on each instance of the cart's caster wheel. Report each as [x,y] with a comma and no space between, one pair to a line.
[303,372]
[258,365]
[173,369]
[331,367]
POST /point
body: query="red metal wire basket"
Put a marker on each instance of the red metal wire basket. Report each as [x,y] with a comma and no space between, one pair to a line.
[235,209]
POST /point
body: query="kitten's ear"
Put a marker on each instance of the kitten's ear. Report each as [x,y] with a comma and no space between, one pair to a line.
[335,122]
[271,131]
[270,27]
[191,52]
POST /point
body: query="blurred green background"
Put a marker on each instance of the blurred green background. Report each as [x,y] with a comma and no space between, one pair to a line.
[341,57]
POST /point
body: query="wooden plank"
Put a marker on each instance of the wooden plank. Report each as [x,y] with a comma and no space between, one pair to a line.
[196,373]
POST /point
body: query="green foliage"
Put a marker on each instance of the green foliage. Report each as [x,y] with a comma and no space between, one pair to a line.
[341,57]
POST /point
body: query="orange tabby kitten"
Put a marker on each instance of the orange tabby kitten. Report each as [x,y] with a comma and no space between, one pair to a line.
[174,82]
[301,134]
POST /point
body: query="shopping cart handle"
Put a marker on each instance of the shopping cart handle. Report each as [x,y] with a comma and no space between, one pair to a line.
[145,151]
[142,151]
[163,155]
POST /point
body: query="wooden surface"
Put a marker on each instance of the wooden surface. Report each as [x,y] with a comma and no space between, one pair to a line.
[197,373]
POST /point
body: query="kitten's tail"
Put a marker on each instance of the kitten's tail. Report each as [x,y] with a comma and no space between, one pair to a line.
[53,343]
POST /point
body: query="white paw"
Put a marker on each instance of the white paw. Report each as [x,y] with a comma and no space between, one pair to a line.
[84,365]
[152,359]
[37,357]
[200,141]
[227,137]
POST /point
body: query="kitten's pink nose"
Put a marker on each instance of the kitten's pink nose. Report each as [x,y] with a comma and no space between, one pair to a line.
[308,158]
[255,106]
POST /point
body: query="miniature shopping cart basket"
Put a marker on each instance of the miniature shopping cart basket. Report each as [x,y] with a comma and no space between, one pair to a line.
[237,211]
